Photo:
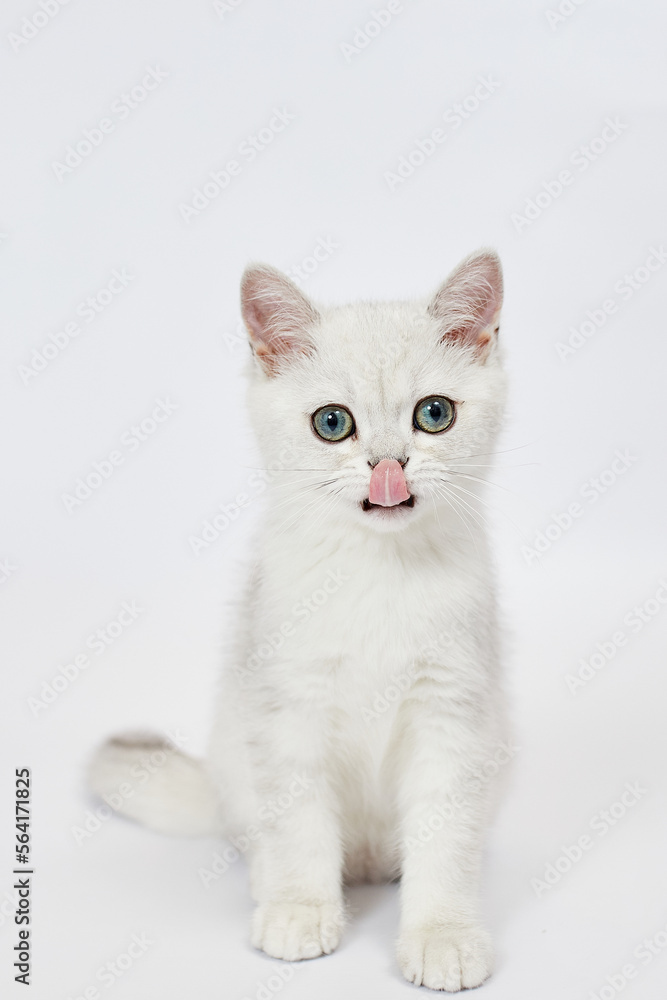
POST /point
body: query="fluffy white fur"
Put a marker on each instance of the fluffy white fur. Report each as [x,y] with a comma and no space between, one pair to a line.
[365,664]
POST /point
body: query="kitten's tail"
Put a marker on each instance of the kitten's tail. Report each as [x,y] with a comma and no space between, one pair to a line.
[148,779]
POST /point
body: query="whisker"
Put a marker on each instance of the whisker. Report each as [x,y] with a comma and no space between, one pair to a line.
[290,520]
[479,479]
[479,517]
[490,465]
[258,468]
[504,451]
[297,482]
[326,508]
[490,506]
[431,493]
[302,492]
[455,503]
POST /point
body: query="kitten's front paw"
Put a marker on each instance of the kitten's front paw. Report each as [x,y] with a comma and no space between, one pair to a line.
[293,931]
[445,957]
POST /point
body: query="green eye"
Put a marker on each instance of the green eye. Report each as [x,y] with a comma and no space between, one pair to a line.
[333,423]
[434,414]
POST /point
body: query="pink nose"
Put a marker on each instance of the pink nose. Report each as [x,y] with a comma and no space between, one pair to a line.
[388,486]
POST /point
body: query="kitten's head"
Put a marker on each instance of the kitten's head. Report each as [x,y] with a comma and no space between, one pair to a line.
[376,411]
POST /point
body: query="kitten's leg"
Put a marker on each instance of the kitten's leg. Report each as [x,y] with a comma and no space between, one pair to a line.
[297,864]
[444,813]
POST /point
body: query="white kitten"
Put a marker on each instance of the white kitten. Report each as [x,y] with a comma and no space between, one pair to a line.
[361,718]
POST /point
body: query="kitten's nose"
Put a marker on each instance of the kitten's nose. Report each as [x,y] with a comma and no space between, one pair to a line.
[388,486]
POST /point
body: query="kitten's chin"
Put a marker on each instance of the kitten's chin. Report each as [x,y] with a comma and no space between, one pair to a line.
[388,519]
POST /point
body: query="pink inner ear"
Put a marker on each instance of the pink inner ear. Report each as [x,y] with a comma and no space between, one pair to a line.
[254,320]
[468,303]
[488,314]
[277,314]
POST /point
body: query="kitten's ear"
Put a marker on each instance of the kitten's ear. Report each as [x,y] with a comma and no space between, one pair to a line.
[468,304]
[278,316]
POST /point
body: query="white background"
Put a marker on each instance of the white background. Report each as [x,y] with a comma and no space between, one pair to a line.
[172,334]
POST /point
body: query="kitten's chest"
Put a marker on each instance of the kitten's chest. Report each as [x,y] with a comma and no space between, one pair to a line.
[376,613]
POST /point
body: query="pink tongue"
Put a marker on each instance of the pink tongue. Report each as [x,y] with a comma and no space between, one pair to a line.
[388,486]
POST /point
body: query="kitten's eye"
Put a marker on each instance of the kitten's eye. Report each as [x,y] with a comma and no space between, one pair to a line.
[434,414]
[333,423]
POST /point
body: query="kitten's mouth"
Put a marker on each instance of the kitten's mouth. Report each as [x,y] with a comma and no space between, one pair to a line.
[367,505]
